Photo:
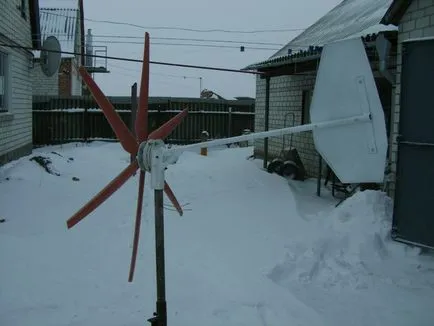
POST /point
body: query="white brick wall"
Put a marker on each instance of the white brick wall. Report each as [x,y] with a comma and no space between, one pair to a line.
[417,22]
[16,124]
[285,96]
[49,86]
[43,85]
[76,83]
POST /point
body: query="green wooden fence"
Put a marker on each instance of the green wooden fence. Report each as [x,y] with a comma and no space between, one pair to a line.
[59,120]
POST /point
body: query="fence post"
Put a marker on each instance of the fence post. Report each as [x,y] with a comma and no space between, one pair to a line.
[133,113]
[245,143]
[83,132]
[86,122]
[230,121]
[204,136]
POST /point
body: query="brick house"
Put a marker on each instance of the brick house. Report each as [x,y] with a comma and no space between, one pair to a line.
[405,87]
[293,70]
[64,20]
[19,27]
[412,141]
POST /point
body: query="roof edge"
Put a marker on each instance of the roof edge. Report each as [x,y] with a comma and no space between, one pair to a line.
[304,55]
[395,12]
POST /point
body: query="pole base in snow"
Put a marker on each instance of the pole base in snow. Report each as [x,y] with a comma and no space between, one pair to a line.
[160,317]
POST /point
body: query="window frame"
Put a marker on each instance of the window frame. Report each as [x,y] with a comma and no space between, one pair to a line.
[23,9]
[306,101]
[4,58]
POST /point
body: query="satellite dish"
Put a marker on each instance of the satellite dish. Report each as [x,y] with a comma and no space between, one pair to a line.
[345,87]
[50,56]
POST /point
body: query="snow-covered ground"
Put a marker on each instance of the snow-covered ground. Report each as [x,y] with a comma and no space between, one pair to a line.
[251,249]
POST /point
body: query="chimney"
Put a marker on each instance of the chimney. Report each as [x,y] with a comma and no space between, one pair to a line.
[89,48]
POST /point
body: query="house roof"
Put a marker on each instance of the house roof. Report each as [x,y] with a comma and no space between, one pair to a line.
[349,19]
[395,12]
[59,19]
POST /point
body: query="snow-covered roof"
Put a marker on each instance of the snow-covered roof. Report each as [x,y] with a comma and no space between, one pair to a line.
[59,20]
[350,18]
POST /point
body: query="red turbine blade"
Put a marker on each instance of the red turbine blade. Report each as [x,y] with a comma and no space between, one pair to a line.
[114,185]
[167,128]
[124,135]
[172,198]
[137,226]
[141,126]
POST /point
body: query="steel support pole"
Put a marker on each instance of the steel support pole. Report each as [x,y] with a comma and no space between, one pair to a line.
[160,316]
[266,118]
[133,113]
[318,185]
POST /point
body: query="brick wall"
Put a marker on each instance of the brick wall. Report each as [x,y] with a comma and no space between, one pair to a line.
[65,82]
[286,95]
[76,82]
[65,72]
[417,22]
[58,84]
[43,85]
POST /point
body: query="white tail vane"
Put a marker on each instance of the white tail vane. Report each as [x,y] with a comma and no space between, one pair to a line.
[346,113]
[345,87]
[347,123]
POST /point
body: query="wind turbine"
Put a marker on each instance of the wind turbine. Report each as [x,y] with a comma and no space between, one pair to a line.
[347,123]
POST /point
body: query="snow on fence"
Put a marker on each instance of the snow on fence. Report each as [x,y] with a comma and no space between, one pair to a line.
[59,120]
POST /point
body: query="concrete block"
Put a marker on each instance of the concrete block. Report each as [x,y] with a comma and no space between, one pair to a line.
[422,22]
[429,10]
[408,26]
[421,4]
[416,33]
[428,31]
[417,14]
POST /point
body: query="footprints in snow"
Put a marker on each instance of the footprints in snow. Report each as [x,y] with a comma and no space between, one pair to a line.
[326,264]
[244,314]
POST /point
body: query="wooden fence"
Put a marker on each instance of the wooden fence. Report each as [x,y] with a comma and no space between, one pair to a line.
[59,120]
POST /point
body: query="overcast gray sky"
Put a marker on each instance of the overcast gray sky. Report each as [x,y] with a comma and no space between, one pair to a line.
[194,14]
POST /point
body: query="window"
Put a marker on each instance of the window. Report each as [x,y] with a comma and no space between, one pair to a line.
[23,8]
[306,100]
[3,82]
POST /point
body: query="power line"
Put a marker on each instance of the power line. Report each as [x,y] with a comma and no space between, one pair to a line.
[180,44]
[187,39]
[156,74]
[140,61]
[62,37]
[189,44]
[187,29]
